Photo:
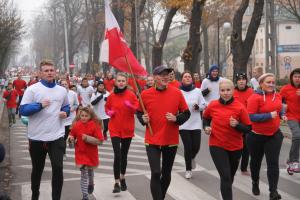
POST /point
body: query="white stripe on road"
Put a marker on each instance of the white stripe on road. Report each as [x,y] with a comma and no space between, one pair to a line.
[182,189]
[243,183]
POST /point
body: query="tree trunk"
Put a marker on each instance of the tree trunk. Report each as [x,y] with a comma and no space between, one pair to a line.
[191,52]
[205,48]
[157,50]
[241,49]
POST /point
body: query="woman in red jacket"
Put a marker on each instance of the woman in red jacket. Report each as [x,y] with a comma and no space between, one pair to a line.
[264,108]
[225,120]
[121,106]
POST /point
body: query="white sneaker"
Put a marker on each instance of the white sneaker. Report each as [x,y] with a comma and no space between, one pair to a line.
[188,174]
[295,167]
[193,164]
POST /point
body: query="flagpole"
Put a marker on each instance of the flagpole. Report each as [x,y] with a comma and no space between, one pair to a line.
[139,94]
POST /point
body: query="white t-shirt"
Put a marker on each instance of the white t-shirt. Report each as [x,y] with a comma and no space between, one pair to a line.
[99,108]
[193,97]
[254,83]
[73,101]
[85,94]
[46,125]
[213,87]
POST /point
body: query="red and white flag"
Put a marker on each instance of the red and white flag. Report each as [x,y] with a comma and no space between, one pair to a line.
[114,49]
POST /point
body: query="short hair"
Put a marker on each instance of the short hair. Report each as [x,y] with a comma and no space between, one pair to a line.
[226,81]
[264,76]
[122,74]
[46,62]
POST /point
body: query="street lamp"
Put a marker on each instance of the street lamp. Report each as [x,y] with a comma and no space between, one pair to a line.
[226,26]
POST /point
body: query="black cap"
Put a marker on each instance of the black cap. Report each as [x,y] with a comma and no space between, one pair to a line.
[159,69]
[239,76]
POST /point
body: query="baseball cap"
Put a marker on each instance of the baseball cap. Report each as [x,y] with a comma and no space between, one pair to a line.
[159,69]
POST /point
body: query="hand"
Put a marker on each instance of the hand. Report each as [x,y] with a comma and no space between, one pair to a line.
[111,113]
[196,106]
[128,104]
[284,118]
[71,139]
[207,130]
[45,103]
[146,118]
[170,117]
[298,92]
[233,122]
[274,114]
[62,115]
[84,136]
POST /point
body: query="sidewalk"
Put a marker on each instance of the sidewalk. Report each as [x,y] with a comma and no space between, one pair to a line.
[5,173]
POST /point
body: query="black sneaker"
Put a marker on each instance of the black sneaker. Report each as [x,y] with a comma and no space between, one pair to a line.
[255,188]
[275,196]
[90,189]
[117,188]
[123,185]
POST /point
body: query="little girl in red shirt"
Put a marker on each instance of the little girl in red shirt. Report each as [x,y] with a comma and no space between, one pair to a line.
[86,134]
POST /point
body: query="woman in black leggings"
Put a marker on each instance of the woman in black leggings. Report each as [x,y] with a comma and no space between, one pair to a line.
[225,120]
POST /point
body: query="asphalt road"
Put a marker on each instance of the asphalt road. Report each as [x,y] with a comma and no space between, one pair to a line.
[204,184]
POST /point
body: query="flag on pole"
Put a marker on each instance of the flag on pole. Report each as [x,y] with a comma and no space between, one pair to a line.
[114,49]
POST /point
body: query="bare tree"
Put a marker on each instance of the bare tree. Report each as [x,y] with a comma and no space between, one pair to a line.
[10,32]
[292,6]
[241,48]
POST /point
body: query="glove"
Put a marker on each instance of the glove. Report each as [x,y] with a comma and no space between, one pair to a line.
[111,113]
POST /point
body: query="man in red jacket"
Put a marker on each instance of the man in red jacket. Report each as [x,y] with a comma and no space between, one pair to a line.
[10,97]
[20,85]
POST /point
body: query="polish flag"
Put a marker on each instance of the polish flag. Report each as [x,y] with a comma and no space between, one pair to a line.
[114,49]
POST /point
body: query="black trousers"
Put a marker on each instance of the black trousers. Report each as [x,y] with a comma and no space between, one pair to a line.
[38,151]
[160,175]
[105,127]
[260,145]
[227,163]
[67,131]
[191,140]
[121,148]
[245,155]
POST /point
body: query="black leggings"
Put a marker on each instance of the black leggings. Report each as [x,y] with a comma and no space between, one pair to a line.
[120,147]
[67,131]
[227,163]
[160,176]
[260,145]
[191,140]
[105,126]
[245,155]
[38,151]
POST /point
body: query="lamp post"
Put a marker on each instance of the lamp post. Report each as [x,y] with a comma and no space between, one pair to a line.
[226,26]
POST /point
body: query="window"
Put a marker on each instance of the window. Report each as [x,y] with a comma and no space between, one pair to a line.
[261,46]
[256,46]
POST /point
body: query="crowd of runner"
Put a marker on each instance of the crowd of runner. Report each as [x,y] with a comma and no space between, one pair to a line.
[242,120]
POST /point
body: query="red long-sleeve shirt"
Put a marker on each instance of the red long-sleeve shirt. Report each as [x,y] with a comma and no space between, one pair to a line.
[243,96]
[85,153]
[12,99]
[109,84]
[288,93]
[20,85]
[121,124]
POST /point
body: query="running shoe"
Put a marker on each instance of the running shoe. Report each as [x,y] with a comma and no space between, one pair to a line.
[255,188]
[295,167]
[117,188]
[275,196]
[188,174]
[123,185]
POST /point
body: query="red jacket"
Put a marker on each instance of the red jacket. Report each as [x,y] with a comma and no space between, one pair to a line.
[243,96]
[11,97]
[259,104]
[85,153]
[109,84]
[20,85]
[157,104]
[222,134]
[121,124]
[288,93]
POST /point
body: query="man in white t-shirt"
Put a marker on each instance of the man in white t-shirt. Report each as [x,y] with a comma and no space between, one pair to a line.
[257,72]
[46,105]
[85,91]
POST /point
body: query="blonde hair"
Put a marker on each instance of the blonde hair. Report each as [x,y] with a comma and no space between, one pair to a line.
[226,81]
[46,62]
[90,112]
[264,76]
